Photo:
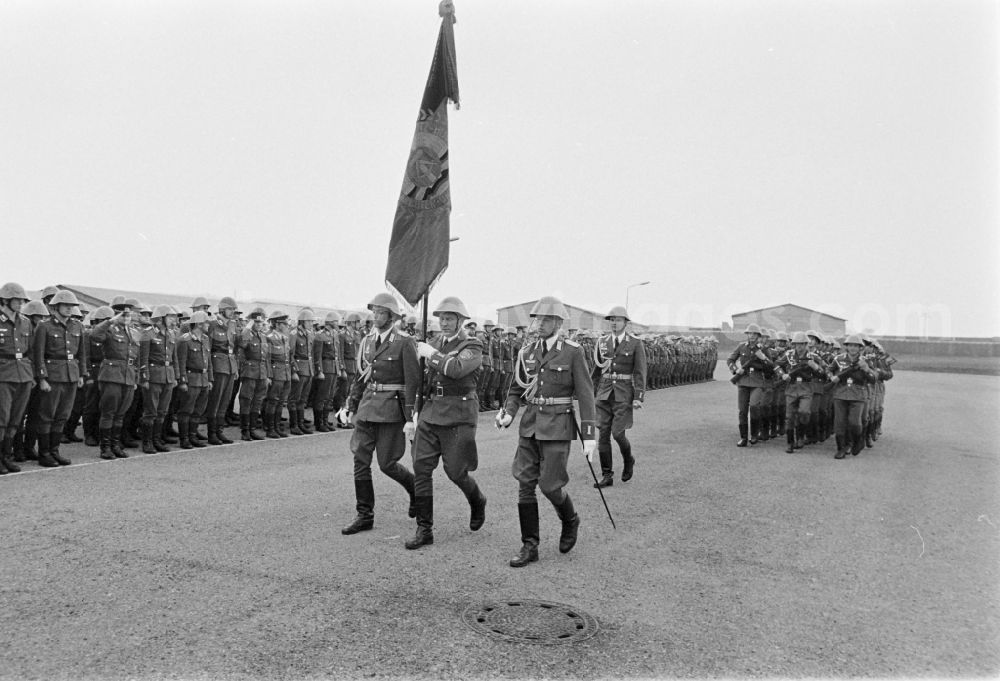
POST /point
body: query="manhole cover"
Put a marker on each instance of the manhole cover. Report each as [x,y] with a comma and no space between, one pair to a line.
[529,621]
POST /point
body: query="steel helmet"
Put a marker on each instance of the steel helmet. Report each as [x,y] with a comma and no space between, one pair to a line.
[799,337]
[388,302]
[75,311]
[836,344]
[353,317]
[854,339]
[277,315]
[549,306]
[878,345]
[183,315]
[488,324]
[471,324]
[813,333]
[765,333]
[306,315]
[35,307]
[752,328]
[49,291]
[133,303]
[511,331]
[11,290]
[199,302]
[199,317]
[161,311]
[617,311]
[64,298]
[332,317]
[227,303]
[781,336]
[117,303]
[451,304]
[101,313]
[145,309]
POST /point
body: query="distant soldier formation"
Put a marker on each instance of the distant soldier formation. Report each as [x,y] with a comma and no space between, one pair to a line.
[817,387]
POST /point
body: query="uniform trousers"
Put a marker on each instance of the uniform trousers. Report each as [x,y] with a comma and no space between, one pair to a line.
[387,442]
[116,398]
[748,400]
[13,402]
[455,446]
[193,402]
[220,396]
[299,393]
[542,464]
[55,406]
[798,405]
[613,419]
[323,397]
[252,394]
[156,402]
[277,397]
[847,420]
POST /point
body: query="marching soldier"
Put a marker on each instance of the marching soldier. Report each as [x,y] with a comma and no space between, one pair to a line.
[851,374]
[157,376]
[60,362]
[195,375]
[253,358]
[748,364]
[279,358]
[304,367]
[549,373]
[798,368]
[17,374]
[446,428]
[117,376]
[381,404]
[222,341]
[621,359]
[326,349]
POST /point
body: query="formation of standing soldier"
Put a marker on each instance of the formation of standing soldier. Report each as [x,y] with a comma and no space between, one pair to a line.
[817,387]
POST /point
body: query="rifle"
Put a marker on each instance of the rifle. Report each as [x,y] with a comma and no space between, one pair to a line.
[753,350]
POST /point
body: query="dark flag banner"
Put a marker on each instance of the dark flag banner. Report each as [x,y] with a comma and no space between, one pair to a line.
[418,249]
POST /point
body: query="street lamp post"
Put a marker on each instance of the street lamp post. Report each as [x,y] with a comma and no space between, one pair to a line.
[627,288]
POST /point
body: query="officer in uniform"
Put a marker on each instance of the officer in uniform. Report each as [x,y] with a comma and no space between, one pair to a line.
[549,373]
[621,358]
[17,375]
[381,402]
[157,376]
[748,362]
[850,373]
[446,428]
[279,358]
[222,341]
[60,363]
[118,376]
[195,374]
[326,350]
[304,367]
[253,358]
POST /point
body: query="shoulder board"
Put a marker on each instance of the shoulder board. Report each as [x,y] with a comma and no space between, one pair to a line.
[571,343]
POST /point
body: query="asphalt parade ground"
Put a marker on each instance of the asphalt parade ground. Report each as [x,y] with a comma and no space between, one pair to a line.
[228,562]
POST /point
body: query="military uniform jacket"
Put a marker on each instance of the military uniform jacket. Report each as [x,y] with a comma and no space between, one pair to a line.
[561,374]
[452,374]
[326,350]
[626,375]
[253,354]
[279,356]
[300,342]
[507,352]
[487,343]
[800,374]
[853,379]
[393,364]
[194,363]
[60,353]
[754,367]
[158,356]
[95,353]
[120,345]
[16,347]
[348,350]
[222,339]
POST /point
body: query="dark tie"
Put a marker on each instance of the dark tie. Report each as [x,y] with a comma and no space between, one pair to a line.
[378,342]
[616,344]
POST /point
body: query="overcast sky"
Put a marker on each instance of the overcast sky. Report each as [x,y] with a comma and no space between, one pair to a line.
[839,155]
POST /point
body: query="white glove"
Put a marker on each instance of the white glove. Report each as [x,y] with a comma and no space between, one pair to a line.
[425,350]
[503,419]
[589,447]
[410,428]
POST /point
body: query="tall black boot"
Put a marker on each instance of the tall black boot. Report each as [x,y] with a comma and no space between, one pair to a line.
[764,425]
[477,507]
[158,443]
[270,425]
[364,491]
[183,436]
[105,443]
[43,451]
[527,514]
[607,463]
[841,447]
[91,432]
[213,432]
[425,523]
[245,427]
[55,439]
[743,436]
[570,525]
[781,422]
[220,431]
[255,433]
[754,427]
[294,427]
[116,442]
[7,455]
[147,437]
[790,439]
[869,441]
[800,433]
[628,466]
[306,430]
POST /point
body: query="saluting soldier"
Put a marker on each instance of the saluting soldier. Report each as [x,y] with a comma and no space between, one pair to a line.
[381,403]
[279,358]
[304,367]
[620,357]
[326,349]
[118,375]
[748,364]
[222,341]
[17,375]
[195,376]
[549,373]
[253,358]
[157,376]
[446,428]
[60,362]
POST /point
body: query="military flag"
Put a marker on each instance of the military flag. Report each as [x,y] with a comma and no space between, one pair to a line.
[418,249]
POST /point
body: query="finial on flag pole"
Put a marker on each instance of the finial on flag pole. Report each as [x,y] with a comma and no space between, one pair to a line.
[447,8]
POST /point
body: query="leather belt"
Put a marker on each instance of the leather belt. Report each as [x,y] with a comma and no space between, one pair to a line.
[221,352]
[446,391]
[620,377]
[16,355]
[113,362]
[550,400]
[386,387]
